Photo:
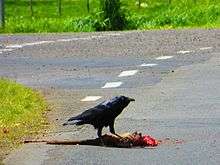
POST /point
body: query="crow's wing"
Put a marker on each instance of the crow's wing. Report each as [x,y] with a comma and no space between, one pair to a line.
[92,114]
[101,111]
[111,104]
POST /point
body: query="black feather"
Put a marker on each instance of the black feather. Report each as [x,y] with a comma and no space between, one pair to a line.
[102,115]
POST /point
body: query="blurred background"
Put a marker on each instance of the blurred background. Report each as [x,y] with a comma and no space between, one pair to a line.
[100,15]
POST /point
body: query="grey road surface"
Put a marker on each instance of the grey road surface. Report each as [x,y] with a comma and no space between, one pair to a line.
[173,75]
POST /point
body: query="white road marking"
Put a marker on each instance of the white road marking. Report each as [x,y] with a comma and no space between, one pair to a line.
[9,47]
[86,38]
[26,44]
[116,34]
[184,51]
[14,46]
[112,84]
[74,39]
[30,44]
[205,48]
[94,37]
[5,50]
[127,73]
[91,98]
[37,43]
[148,65]
[164,57]
[65,40]
[71,39]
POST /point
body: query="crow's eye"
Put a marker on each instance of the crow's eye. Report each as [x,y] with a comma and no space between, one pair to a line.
[122,98]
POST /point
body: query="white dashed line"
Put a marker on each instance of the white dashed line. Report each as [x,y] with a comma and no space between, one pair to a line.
[205,48]
[37,43]
[84,38]
[26,44]
[5,50]
[74,39]
[184,51]
[65,40]
[30,44]
[91,98]
[14,46]
[112,84]
[87,38]
[95,37]
[117,34]
[164,57]
[127,73]
[148,65]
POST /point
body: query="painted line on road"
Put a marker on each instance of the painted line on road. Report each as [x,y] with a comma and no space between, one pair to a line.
[112,84]
[91,98]
[184,51]
[205,48]
[73,39]
[14,46]
[164,57]
[116,34]
[65,40]
[6,50]
[37,43]
[96,37]
[87,38]
[82,38]
[127,73]
[70,39]
[148,65]
[9,47]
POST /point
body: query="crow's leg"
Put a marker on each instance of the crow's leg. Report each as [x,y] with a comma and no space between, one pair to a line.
[112,129]
[99,133]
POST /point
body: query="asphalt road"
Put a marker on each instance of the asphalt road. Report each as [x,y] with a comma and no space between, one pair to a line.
[173,75]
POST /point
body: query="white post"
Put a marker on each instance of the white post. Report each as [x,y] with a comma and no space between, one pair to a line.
[2,12]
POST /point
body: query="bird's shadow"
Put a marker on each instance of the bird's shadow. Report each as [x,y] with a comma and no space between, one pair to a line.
[104,141]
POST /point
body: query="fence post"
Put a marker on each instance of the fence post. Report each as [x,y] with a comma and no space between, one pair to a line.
[139,4]
[31,8]
[2,14]
[88,8]
[59,7]
[16,8]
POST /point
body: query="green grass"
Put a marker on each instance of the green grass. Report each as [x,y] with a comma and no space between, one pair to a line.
[154,14]
[21,114]
[177,14]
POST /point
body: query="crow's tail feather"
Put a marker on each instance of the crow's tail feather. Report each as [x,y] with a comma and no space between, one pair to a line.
[73,122]
[64,124]
[73,118]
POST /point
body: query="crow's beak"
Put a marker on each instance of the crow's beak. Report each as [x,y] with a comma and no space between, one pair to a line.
[131,99]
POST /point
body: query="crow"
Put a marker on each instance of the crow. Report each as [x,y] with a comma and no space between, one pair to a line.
[102,115]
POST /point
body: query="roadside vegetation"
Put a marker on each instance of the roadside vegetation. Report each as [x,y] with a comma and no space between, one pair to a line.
[21,114]
[92,15]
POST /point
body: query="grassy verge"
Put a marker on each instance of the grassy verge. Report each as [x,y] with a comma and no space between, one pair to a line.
[184,13]
[152,14]
[21,114]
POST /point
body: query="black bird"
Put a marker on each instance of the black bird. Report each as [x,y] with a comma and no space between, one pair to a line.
[102,115]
